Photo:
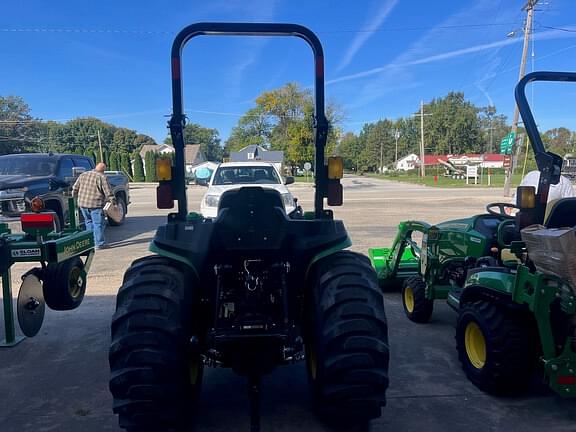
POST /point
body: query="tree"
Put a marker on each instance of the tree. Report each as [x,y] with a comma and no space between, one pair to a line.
[138,167]
[493,128]
[208,139]
[18,130]
[125,165]
[114,163]
[150,163]
[349,149]
[559,140]
[253,128]
[283,119]
[453,126]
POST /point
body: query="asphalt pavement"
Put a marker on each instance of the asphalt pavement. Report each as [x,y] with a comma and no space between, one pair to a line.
[58,381]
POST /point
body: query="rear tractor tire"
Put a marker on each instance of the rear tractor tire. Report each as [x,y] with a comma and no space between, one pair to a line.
[496,347]
[155,372]
[347,351]
[417,307]
[64,284]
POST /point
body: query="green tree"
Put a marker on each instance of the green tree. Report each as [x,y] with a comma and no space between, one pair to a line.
[18,130]
[283,119]
[453,126]
[208,139]
[113,161]
[150,163]
[138,167]
[125,165]
[349,149]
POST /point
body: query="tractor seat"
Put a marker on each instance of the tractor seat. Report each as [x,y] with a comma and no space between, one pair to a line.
[251,218]
[561,213]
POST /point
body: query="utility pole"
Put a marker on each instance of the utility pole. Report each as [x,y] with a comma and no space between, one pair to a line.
[381,154]
[421,114]
[100,145]
[529,7]
[396,136]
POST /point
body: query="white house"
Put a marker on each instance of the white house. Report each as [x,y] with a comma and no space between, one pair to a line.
[407,162]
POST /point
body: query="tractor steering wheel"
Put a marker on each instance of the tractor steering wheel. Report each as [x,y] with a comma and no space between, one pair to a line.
[501,209]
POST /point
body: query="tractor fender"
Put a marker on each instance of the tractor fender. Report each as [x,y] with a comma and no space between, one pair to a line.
[155,248]
[488,283]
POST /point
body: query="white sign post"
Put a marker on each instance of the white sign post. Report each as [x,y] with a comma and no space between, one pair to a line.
[307,168]
[472,171]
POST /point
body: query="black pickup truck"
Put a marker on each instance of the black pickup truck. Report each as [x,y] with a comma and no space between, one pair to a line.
[50,177]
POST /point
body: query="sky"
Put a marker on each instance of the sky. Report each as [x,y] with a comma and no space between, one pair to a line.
[111,59]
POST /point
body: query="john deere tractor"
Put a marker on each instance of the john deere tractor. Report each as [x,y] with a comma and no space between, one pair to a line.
[249,290]
[511,279]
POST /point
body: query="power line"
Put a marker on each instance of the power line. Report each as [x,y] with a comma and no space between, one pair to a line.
[164,33]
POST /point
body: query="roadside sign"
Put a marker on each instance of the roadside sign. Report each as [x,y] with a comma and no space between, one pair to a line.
[507,161]
[507,143]
[307,166]
[472,172]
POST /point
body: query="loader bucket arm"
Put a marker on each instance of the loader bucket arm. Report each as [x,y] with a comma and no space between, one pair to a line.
[549,164]
[403,239]
[178,120]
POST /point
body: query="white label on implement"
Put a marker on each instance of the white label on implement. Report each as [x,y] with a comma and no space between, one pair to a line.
[23,253]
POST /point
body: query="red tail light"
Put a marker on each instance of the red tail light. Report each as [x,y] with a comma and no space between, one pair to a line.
[566,380]
[37,221]
[334,193]
[164,196]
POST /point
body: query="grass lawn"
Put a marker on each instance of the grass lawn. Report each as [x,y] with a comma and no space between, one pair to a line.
[496,180]
[304,179]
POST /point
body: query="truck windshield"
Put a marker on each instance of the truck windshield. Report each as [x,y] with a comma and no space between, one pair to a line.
[32,166]
[246,175]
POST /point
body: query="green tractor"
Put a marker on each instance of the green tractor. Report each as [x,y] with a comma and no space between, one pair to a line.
[249,290]
[507,277]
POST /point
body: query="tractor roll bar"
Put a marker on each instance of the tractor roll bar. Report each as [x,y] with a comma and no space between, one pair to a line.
[549,164]
[178,121]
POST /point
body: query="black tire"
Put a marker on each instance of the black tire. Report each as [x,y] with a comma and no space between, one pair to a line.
[416,306]
[155,375]
[121,203]
[347,351]
[64,284]
[496,347]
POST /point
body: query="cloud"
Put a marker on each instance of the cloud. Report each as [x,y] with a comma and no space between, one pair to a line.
[367,33]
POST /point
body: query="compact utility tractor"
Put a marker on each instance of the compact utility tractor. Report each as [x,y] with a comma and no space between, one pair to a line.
[65,257]
[510,278]
[249,290]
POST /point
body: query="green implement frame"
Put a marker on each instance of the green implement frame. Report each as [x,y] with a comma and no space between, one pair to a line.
[402,260]
[43,247]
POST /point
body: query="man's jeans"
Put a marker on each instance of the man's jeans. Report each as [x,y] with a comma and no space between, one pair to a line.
[94,220]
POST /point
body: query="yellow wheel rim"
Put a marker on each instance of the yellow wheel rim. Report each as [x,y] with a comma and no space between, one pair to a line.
[194,369]
[409,299]
[311,361]
[475,345]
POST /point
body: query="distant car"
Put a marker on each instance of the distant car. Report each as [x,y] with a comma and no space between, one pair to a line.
[234,175]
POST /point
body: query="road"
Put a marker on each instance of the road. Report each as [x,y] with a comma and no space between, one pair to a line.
[58,381]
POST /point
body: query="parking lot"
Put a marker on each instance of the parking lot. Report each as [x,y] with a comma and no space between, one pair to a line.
[58,381]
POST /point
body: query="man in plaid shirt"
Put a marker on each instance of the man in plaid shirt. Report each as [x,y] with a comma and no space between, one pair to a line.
[93,191]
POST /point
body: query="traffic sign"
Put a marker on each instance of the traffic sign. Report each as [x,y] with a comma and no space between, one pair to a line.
[307,166]
[507,161]
[507,143]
